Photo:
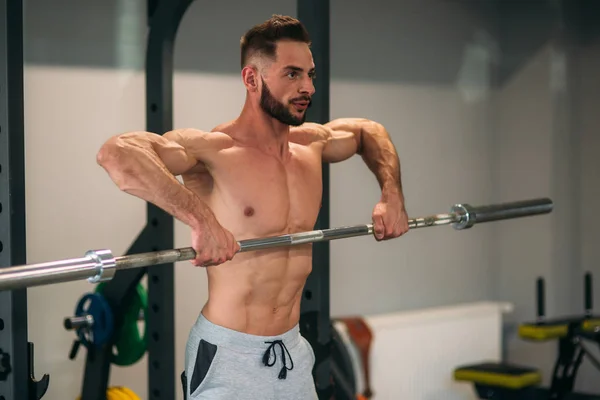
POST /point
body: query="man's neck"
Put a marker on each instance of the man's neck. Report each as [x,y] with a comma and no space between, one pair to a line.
[262,131]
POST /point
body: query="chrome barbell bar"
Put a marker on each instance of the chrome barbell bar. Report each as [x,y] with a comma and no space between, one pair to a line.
[101,265]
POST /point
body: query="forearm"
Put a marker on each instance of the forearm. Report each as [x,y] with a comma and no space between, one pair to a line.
[136,168]
[379,154]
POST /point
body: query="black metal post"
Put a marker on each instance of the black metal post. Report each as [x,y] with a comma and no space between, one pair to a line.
[164,19]
[14,360]
[315,315]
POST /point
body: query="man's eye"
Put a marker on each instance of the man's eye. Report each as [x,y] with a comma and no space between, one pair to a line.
[292,75]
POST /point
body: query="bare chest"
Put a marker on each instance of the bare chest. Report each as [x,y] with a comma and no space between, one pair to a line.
[255,195]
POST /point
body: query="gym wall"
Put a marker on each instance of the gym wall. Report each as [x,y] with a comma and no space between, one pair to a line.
[424,70]
[544,142]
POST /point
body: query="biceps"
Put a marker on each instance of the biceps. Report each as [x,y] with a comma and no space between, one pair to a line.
[341,146]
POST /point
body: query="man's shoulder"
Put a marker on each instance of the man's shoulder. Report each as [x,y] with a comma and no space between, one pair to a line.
[197,139]
[309,133]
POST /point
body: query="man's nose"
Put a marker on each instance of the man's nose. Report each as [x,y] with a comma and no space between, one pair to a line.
[308,87]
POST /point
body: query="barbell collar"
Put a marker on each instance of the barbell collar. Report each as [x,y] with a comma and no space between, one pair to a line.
[465,217]
[106,265]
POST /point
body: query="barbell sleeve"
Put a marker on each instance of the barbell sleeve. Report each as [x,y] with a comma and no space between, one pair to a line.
[96,266]
[471,215]
[100,265]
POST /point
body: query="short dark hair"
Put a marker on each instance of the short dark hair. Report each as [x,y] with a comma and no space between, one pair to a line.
[263,38]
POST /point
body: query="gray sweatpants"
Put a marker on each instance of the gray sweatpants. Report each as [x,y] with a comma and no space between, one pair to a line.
[221,363]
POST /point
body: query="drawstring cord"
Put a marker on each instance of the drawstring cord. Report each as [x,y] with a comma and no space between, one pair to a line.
[284,350]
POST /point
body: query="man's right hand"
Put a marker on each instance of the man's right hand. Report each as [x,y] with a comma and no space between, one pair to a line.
[212,243]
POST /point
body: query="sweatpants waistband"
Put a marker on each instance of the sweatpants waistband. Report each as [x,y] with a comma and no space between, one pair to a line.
[240,341]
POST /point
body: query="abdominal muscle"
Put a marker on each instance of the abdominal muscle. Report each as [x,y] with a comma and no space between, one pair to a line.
[259,292]
[253,196]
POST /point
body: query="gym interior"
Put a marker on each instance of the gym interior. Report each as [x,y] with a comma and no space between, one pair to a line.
[487,102]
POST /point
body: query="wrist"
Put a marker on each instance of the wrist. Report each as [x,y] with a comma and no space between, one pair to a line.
[392,193]
[199,216]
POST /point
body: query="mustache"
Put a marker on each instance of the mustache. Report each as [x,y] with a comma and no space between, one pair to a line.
[301,98]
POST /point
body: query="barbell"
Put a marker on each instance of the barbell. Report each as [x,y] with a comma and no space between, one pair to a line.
[100,265]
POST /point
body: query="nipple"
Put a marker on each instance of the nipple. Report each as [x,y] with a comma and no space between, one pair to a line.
[249,211]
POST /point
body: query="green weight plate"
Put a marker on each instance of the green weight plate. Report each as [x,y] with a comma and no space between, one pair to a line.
[130,345]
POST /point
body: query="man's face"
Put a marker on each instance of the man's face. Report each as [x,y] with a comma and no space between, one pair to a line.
[287,91]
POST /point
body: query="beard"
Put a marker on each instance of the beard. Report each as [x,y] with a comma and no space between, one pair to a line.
[278,110]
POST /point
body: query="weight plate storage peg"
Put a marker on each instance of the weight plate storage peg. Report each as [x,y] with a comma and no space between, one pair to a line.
[94,307]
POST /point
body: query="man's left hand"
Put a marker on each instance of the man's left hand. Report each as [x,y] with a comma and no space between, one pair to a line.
[389,219]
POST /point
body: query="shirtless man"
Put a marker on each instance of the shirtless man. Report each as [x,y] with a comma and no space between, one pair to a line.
[256,176]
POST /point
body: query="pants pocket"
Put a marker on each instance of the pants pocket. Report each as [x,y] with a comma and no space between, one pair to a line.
[204,364]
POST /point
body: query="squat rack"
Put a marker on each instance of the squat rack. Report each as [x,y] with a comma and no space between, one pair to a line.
[16,353]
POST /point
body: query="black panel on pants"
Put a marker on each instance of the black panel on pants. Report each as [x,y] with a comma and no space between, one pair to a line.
[204,358]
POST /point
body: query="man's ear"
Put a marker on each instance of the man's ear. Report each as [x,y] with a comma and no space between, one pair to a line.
[250,78]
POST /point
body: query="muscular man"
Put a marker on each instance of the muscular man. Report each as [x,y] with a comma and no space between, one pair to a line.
[258,175]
